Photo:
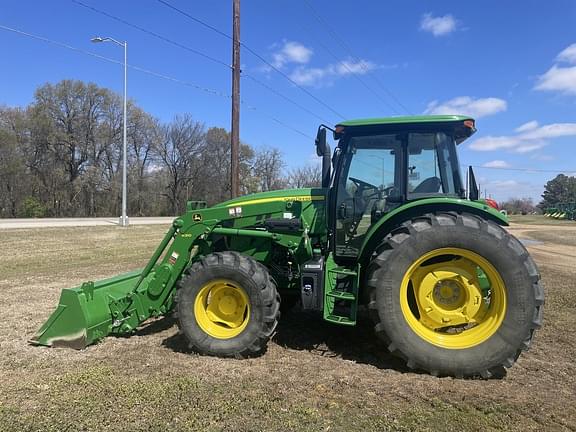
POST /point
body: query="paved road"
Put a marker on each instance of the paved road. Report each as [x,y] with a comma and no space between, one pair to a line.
[71,222]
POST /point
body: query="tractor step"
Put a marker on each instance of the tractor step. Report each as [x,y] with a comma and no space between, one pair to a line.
[344,271]
[340,293]
[340,320]
[344,295]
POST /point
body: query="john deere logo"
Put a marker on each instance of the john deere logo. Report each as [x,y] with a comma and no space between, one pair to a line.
[196,217]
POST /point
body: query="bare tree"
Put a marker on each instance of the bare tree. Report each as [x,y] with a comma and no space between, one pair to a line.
[306,176]
[62,156]
[216,167]
[12,163]
[179,150]
[268,166]
[144,134]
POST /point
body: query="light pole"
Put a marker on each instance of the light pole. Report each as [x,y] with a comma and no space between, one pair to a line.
[124,217]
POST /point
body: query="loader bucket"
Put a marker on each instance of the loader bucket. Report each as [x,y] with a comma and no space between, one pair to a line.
[84,314]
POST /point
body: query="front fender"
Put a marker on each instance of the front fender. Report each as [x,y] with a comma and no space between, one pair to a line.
[416,208]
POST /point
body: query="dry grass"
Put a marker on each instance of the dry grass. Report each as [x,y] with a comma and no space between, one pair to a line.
[314,376]
[539,220]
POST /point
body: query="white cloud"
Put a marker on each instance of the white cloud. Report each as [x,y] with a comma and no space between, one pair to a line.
[292,52]
[568,55]
[527,126]
[496,164]
[347,67]
[551,131]
[317,77]
[468,106]
[530,137]
[557,78]
[308,76]
[560,78]
[439,25]
[489,143]
[542,157]
[504,189]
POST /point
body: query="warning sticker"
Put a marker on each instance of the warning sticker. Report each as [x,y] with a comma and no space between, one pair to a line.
[235,211]
[173,258]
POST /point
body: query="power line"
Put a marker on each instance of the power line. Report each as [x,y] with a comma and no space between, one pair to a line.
[153,73]
[187,48]
[255,54]
[151,33]
[277,93]
[111,60]
[351,71]
[354,57]
[280,122]
[521,169]
[197,20]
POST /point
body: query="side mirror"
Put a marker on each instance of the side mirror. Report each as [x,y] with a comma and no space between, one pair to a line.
[323,150]
[321,141]
[473,192]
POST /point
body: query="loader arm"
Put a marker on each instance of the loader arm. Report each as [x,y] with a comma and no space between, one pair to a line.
[115,306]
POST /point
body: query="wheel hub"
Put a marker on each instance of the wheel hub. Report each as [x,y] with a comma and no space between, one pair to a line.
[222,309]
[448,292]
[450,308]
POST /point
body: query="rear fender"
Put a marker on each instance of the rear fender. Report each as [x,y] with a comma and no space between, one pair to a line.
[391,220]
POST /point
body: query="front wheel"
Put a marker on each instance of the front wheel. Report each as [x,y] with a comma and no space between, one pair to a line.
[454,294]
[227,305]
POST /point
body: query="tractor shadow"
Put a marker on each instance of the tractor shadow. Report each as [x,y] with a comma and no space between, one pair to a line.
[305,331]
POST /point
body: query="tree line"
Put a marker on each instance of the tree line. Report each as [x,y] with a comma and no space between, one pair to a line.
[560,190]
[61,156]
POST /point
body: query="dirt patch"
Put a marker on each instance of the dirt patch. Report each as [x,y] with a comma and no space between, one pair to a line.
[314,376]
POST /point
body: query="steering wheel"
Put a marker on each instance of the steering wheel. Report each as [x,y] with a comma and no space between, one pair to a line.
[361,184]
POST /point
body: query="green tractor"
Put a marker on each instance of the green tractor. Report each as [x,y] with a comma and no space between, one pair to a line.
[392,234]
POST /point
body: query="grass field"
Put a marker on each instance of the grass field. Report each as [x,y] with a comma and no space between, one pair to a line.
[314,376]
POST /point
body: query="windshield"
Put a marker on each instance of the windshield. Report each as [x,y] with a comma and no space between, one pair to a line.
[432,165]
[379,172]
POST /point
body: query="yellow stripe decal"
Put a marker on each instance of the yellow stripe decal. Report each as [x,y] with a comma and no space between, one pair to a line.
[286,199]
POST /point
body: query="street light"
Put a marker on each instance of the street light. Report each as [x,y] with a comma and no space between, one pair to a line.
[124,217]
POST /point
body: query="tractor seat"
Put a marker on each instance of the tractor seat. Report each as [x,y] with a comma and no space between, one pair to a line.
[430,185]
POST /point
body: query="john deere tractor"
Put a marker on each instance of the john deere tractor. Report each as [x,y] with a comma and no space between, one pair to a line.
[392,232]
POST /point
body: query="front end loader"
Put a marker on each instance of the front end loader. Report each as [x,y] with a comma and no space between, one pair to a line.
[392,230]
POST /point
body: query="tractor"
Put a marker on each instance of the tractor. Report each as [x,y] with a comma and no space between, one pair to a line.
[393,234]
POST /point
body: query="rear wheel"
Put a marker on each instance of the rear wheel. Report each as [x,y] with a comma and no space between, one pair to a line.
[455,295]
[227,305]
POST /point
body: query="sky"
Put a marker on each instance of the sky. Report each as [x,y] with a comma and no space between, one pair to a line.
[510,65]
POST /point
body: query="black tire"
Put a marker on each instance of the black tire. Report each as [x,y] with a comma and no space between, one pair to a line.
[524,294]
[263,297]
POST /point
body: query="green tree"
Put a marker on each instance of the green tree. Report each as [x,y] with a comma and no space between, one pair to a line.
[560,189]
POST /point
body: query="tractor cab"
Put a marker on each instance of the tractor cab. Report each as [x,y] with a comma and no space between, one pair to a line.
[381,164]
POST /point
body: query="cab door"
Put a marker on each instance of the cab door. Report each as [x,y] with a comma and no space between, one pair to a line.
[368,184]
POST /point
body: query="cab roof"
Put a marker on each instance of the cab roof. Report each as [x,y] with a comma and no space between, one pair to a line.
[404,120]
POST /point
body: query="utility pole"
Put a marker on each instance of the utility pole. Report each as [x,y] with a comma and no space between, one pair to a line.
[235,132]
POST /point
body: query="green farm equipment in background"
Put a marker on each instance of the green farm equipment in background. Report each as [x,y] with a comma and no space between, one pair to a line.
[550,211]
[392,231]
[564,211]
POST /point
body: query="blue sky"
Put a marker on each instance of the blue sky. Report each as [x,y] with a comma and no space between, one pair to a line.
[512,65]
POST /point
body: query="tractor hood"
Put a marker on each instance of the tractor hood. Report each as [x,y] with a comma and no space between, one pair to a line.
[303,194]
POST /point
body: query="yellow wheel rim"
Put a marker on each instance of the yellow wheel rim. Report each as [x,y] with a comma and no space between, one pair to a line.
[222,309]
[453,298]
